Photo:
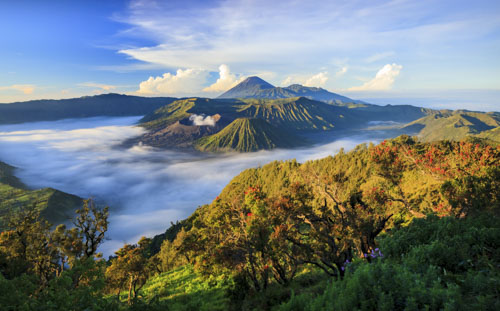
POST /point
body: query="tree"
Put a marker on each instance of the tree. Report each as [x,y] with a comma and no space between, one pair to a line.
[92,224]
[130,267]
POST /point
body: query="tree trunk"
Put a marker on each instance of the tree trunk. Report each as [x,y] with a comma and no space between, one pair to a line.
[129,299]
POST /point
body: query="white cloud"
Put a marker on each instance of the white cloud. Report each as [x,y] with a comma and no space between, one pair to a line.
[183,82]
[383,80]
[226,80]
[317,80]
[378,56]
[288,81]
[25,88]
[341,72]
[104,87]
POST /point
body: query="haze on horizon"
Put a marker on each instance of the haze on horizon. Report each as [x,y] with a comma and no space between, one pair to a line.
[441,54]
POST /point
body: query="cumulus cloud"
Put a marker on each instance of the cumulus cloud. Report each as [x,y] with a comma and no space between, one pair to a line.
[187,81]
[225,81]
[289,80]
[201,120]
[25,88]
[317,80]
[383,80]
[145,187]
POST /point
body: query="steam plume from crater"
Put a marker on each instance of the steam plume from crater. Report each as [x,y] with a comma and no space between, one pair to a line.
[201,120]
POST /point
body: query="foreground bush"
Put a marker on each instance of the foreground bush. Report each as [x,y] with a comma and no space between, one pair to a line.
[434,264]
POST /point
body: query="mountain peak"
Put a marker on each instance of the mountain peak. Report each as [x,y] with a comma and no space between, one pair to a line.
[256,81]
[247,88]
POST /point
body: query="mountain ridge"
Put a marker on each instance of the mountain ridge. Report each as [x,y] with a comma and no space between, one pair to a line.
[255,87]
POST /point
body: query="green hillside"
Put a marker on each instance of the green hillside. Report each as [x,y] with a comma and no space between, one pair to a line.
[456,125]
[294,115]
[53,204]
[493,134]
[246,135]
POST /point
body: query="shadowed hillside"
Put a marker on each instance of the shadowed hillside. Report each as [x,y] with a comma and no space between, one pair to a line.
[83,107]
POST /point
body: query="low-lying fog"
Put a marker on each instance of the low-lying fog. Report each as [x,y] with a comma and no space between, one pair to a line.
[146,188]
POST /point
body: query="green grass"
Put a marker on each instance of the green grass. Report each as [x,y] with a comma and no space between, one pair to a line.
[183,289]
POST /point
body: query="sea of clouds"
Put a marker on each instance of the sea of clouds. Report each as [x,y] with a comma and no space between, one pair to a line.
[146,188]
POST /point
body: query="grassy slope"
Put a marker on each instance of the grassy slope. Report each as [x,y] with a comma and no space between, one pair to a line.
[54,204]
[185,289]
[455,125]
[245,135]
[493,134]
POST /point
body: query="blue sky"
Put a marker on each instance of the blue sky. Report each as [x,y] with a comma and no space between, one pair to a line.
[434,53]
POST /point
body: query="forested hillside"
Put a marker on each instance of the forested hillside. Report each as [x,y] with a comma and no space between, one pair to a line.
[403,225]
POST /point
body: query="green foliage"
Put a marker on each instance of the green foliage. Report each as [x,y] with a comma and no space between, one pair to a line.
[183,289]
[33,274]
[130,269]
[434,263]
[382,286]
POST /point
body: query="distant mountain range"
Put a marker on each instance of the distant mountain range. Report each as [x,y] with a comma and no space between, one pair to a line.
[82,107]
[295,110]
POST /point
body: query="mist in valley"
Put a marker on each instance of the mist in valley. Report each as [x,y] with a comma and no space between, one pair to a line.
[146,188]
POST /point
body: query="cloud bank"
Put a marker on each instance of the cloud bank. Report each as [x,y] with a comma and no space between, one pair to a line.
[24,88]
[183,82]
[146,188]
